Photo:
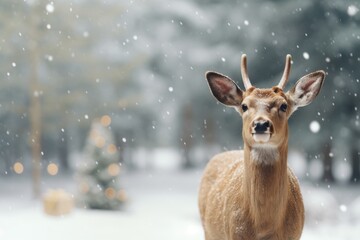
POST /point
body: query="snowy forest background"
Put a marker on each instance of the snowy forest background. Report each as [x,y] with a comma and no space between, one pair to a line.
[141,64]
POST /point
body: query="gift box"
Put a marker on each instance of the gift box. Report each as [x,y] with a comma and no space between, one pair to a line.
[58,202]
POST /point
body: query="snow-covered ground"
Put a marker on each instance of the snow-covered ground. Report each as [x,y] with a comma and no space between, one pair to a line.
[161,206]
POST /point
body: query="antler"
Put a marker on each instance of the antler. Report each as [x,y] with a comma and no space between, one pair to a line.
[285,76]
[244,73]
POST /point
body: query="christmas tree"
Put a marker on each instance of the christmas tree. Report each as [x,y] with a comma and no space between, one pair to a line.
[99,171]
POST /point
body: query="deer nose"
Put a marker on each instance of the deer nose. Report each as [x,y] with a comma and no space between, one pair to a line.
[261,126]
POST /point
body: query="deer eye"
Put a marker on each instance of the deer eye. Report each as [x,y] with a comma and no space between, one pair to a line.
[244,107]
[283,107]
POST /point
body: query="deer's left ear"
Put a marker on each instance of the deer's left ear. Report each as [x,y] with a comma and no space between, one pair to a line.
[306,89]
[224,89]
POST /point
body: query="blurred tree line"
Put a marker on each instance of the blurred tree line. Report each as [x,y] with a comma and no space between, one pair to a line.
[65,63]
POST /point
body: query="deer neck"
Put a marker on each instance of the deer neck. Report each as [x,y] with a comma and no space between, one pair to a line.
[266,184]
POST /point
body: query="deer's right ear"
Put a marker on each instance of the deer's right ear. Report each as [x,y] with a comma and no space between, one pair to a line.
[307,88]
[224,89]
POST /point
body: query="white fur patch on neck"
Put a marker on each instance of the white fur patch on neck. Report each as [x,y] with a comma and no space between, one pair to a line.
[264,154]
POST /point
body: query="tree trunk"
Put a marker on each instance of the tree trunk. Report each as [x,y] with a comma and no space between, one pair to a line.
[35,108]
[35,124]
[64,151]
[355,165]
[327,160]
[187,135]
[209,131]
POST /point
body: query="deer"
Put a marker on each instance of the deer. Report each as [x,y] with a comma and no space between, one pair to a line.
[252,193]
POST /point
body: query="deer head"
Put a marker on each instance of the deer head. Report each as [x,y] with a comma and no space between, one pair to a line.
[265,112]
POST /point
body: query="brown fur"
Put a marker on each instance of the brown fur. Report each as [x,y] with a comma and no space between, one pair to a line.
[240,199]
[252,194]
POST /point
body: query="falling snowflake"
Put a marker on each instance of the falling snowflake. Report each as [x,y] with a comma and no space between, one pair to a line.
[306,55]
[314,126]
[49,58]
[50,8]
[352,10]
[343,208]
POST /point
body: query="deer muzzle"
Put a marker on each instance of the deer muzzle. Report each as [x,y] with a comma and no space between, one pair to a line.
[261,130]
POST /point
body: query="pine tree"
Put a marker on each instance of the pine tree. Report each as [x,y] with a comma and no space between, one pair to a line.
[99,171]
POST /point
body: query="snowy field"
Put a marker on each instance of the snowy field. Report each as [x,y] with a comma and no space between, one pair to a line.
[161,206]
